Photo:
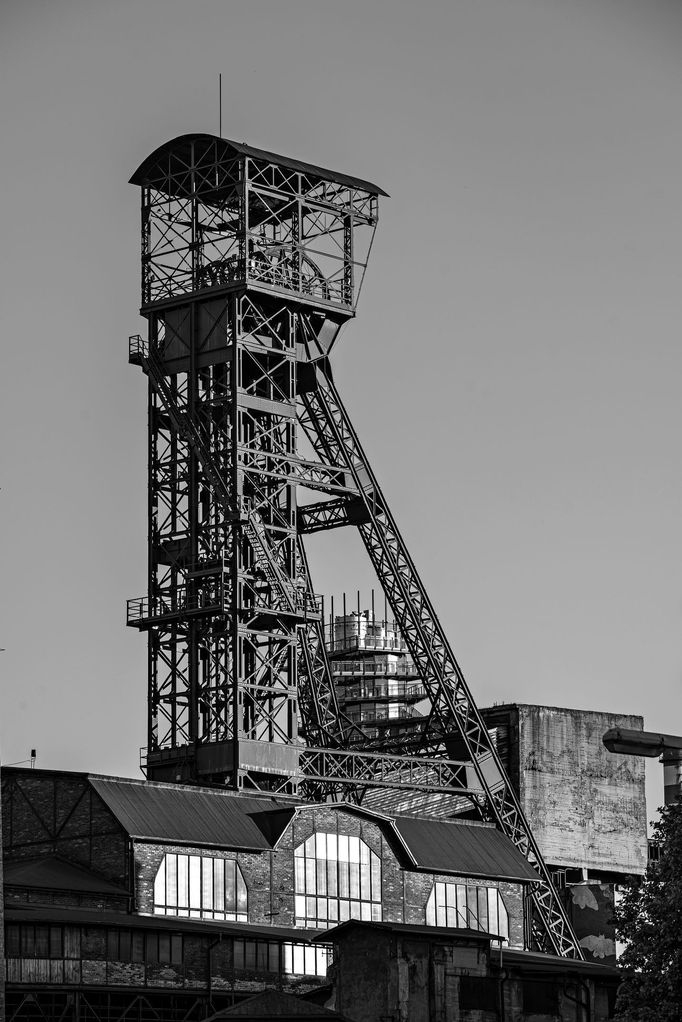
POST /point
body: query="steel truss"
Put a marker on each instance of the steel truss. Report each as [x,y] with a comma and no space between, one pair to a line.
[250,265]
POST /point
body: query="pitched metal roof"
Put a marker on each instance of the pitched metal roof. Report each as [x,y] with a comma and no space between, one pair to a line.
[54,874]
[191,816]
[181,146]
[406,929]
[16,912]
[463,848]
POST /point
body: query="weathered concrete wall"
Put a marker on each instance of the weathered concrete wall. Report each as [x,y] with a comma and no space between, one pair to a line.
[586,807]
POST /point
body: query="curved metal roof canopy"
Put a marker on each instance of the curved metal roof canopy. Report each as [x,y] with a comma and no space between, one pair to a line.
[182,148]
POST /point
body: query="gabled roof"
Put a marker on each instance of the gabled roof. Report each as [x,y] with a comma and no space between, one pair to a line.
[446,846]
[190,815]
[182,147]
[55,874]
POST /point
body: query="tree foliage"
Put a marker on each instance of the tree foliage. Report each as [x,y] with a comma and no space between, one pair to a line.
[649,922]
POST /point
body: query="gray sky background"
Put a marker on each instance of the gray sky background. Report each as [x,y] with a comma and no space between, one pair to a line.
[514,369]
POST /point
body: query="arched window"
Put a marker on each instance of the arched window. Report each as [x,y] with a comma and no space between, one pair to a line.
[458,906]
[201,887]
[337,878]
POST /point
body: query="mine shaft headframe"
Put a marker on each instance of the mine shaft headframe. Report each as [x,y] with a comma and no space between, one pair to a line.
[222,215]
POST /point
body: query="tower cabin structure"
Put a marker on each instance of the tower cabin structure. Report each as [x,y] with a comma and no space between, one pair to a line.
[251,264]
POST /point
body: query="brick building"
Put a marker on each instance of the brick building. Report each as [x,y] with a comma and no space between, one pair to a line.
[169,901]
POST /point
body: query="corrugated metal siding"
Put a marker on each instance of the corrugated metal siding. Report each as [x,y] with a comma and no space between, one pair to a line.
[467,850]
[190,816]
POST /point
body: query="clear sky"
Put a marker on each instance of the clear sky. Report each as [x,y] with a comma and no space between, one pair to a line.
[514,369]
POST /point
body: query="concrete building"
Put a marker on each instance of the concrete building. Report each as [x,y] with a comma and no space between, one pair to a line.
[586,807]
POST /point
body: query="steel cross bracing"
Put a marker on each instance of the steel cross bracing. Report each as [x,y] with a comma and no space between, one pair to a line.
[250,265]
[453,712]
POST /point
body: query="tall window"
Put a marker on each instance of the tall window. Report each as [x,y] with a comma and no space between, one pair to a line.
[337,878]
[201,887]
[457,906]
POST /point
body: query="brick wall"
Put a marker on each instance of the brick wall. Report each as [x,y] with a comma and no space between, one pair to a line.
[46,813]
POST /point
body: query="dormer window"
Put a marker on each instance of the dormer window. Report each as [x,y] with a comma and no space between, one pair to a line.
[461,907]
[200,887]
[337,878]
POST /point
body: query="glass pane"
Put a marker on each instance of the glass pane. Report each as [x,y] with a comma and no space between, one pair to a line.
[343,848]
[504,918]
[344,911]
[56,942]
[160,884]
[171,898]
[242,901]
[321,877]
[376,913]
[354,849]
[310,876]
[219,885]
[310,961]
[332,878]
[493,916]
[461,905]
[365,889]
[238,954]
[194,882]
[431,909]
[344,879]
[12,941]
[364,851]
[332,846]
[376,877]
[472,908]
[333,909]
[483,909]
[355,879]
[230,871]
[207,884]
[321,961]
[273,957]
[299,865]
[322,908]
[176,949]
[164,947]
[310,847]
[320,846]
[288,958]
[366,910]
[355,910]
[151,947]
[183,881]
[299,960]
[299,902]
[125,945]
[310,908]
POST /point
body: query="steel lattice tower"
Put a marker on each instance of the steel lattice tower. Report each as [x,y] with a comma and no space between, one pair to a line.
[251,263]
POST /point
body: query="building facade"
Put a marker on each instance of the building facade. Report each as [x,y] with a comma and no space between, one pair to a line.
[134,896]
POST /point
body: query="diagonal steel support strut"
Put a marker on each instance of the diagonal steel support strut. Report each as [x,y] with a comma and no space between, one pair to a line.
[453,718]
